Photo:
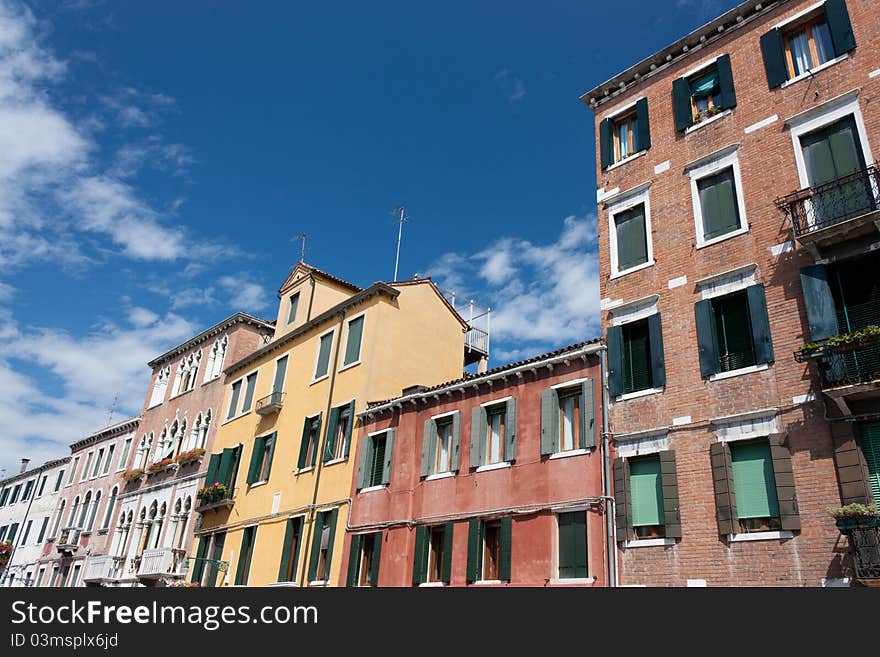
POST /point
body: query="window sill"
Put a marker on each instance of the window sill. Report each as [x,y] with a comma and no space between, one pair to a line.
[649,542]
[318,582]
[426,585]
[814,70]
[493,466]
[705,122]
[257,484]
[439,475]
[631,270]
[371,489]
[235,417]
[151,406]
[638,393]
[743,370]
[319,379]
[571,452]
[488,582]
[760,536]
[299,471]
[574,580]
[180,394]
[349,366]
[283,584]
[341,459]
[628,158]
[722,238]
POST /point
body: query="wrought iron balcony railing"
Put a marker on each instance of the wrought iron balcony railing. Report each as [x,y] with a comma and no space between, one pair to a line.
[864,545]
[847,362]
[270,403]
[840,200]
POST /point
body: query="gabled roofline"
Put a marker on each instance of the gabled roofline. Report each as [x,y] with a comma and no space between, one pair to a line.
[319,273]
[131,424]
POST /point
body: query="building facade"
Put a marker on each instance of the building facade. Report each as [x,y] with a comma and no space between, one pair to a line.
[489,480]
[737,205]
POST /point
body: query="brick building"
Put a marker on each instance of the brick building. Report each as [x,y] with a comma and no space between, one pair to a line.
[737,206]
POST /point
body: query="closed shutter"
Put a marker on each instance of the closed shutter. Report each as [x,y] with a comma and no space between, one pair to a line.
[455,459]
[244,558]
[377,554]
[199,565]
[646,490]
[588,415]
[278,382]
[783,476]
[389,455]
[669,479]
[287,568]
[510,430]
[256,460]
[429,448]
[725,500]
[614,337]
[840,26]
[871,450]
[854,489]
[606,144]
[216,557]
[631,237]
[448,535]
[304,444]
[420,555]
[213,469]
[572,545]
[725,82]
[227,463]
[317,528]
[637,368]
[506,545]
[753,481]
[622,508]
[475,550]
[549,422]
[761,339]
[707,341]
[658,363]
[643,126]
[346,447]
[364,463]
[354,557]
[681,104]
[353,341]
[718,204]
[330,441]
[773,51]
[819,302]
[478,436]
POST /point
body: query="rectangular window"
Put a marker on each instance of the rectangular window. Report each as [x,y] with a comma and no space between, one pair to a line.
[324,537]
[248,538]
[646,497]
[261,459]
[43,528]
[294,304]
[290,550]
[571,402]
[367,555]
[309,447]
[126,450]
[322,364]
[754,485]
[4,496]
[705,94]
[233,402]
[98,461]
[343,433]
[109,458]
[572,539]
[436,548]
[631,238]
[808,45]
[353,341]
[626,140]
[492,550]
[496,417]
[733,332]
[3,531]
[58,481]
[42,487]
[443,458]
[16,491]
[13,529]
[637,363]
[73,470]
[27,532]
[377,460]
[250,384]
[85,470]
[28,487]
[280,373]
[719,207]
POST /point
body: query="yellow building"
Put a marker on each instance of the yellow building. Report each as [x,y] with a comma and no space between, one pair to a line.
[283,455]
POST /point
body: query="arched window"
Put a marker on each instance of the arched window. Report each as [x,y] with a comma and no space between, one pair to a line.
[184,523]
[160,385]
[84,513]
[203,433]
[58,516]
[108,517]
[94,512]
[178,438]
[143,451]
[71,519]
[166,444]
[216,355]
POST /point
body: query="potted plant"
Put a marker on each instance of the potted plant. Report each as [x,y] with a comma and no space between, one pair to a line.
[159,465]
[133,474]
[698,117]
[5,552]
[712,111]
[191,456]
[855,516]
[213,493]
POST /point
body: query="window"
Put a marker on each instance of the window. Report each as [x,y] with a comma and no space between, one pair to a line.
[160,385]
[375,467]
[73,470]
[440,444]
[126,448]
[869,435]
[716,190]
[568,418]
[571,403]
[646,497]
[294,303]
[261,459]
[443,449]
[322,546]
[27,532]
[248,538]
[626,141]
[3,533]
[290,550]
[98,460]
[43,527]
[624,134]
[309,446]
[109,458]
[187,373]
[363,561]
[28,487]
[572,545]
[58,517]
[757,507]
[353,340]
[16,491]
[233,403]
[808,46]
[207,561]
[635,355]
[493,433]
[489,550]
[704,93]
[495,421]
[322,360]
[143,450]
[280,372]
[85,470]
[58,481]
[111,504]
[339,432]
[13,529]
[433,554]
[86,505]
[630,244]
[249,383]
[42,487]
[94,512]
[4,496]
[216,355]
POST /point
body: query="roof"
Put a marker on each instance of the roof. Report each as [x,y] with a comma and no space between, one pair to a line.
[208,333]
[427,279]
[48,465]
[130,424]
[736,18]
[320,273]
[471,379]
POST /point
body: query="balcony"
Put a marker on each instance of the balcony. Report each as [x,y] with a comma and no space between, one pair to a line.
[476,345]
[161,563]
[68,540]
[103,570]
[849,364]
[270,404]
[834,212]
[864,545]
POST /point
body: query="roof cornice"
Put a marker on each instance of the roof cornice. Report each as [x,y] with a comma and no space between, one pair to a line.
[48,465]
[131,424]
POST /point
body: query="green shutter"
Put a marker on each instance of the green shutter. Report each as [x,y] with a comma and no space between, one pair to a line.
[622,508]
[646,490]
[549,422]
[448,535]
[753,481]
[631,237]
[819,302]
[317,527]
[199,565]
[429,447]
[346,447]
[280,371]
[455,460]
[725,498]
[725,82]
[669,480]
[213,468]
[614,338]
[364,463]
[354,556]
[773,50]
[227,463]
[643,126]
[658,363]
[718,204]
[330,440]
[840,26]
[870,441]
[323,365]
[292,532]
[478,436]
[248,536]
[256,460]
[606,144]
[274,439]
[216,555]
[389,455]
[681,104]
[506,545]
[707,341]
[353,342]
[783,476]
[510,430]
[334,514]
[572,545]
[377,554]
[588,415]
[420,555]
[475,550]
[761,339]
[304,444]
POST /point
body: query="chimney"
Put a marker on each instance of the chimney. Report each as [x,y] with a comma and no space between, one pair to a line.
[24,465]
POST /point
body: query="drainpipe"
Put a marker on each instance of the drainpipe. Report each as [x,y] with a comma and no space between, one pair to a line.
[610,528]
[311,299]
[319,453]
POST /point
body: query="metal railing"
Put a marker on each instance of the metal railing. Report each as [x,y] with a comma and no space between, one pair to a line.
[270,403]
[864,545]
[103,568]
[825,205]
[477,340]
[161,562]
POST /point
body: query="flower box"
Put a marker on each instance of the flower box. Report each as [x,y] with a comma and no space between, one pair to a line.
[192,456]
[133,475]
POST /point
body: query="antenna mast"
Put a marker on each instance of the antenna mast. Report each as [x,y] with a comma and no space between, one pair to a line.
[402,219]
[301,238]
[112,408]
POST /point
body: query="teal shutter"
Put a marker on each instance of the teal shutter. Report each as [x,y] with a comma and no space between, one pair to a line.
[227,463]
[658,362]
[588,415]
[643,127]
[389,457]
[783,477]
[622,508]
[377,554]
[478,435]
[330,440]
[614,338]
[280,371]
[669,480]
[455,460]
[348,430]
[773,51]
[448,535]
[216,555]
[725,494]
[293,532]
[760,324]
[199,565]
[725,82]
[646,491]
[718,204]
[272,440]
[475,549]
[317,528]
[510,430]
[304,444]
[606,144]
[549,422]
[506,544]
[753,481]
[870,442]
[819,302]
[353,341]
[334,514]
[840,26]
[420,555]
[631,233]
[256,460]
[354,557]
[429,447]
[707,341]
[572,545]
[681,104]
[213,468]
[364,463]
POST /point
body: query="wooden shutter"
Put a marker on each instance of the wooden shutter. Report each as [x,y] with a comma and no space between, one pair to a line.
[848,461]
[606,144]
[213,469]
[658,362]
[346,447]
[643,127]
[475,549]
[429,445]
[725,82]
[840,26]
[707,341]
[725,498]
[244,555]
[330,440]
[478,436]
[292,532]
[256,460]
[786,496]
[377,554]
[354,556]
[622,509]
[455,460]
[317,527]
[364,462]
[510,430]
[304,445]
[199,565]
[389,451]
[773,51]
[334,514]
[448,534]
[669,480]
[760,324]
[614,338]
[506,544]
[224,473]
[588,415]
[549,422]
[216,555]
[274,440]
[420,555]
[681,104]
[819,302]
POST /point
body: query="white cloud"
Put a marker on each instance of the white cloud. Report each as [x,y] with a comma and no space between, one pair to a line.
[511,86]
[244,294]
[142,317]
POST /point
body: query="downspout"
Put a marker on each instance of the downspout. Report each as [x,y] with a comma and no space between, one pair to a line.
[319,453]
[610,528]
[311,299]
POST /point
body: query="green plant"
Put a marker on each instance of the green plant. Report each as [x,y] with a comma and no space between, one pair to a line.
[698,117]
[213,493]
[133,475]
[871,332]
[854,510]
[188,457]
[712,111]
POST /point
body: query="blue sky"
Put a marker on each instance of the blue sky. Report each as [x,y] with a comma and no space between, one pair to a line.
[156,159]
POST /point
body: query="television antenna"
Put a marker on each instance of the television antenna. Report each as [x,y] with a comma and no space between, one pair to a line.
[301,238]
[402,218]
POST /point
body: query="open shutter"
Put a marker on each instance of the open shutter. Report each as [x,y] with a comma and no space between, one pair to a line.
[475,549]
[216,556]
[199,565]
[448,534]
[506,544]
[243,567]
[658,362]
[429,444]
[848,461]
[725,82]
[681,104]
[669,481]
[256,460]
[819,302]
[354,554]
[784,476]
[420,555]
[314,555]
[389,451]
[330,441]
[622,509]
[510,430]
[760,324]
[725,498]
[606,144]
[304,444]
[840,26]
[346,447]
[707,342]
[271,455]
[213,469]
[614,337]
[377,554]
[643,126]
[334,514]
[773,51]
[588,416]
[364,463]
[292,533]
[549,422]
[455,461]
[227,462]
[478,435]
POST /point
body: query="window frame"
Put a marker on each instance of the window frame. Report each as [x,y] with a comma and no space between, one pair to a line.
[242,395]
[292,307]
[619,206]
[313,444]
[557,578]
[445,420]
[315,377]
[706,170]
[345,366]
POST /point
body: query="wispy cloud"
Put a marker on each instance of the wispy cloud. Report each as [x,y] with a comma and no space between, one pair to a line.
[244,293]
[511,86]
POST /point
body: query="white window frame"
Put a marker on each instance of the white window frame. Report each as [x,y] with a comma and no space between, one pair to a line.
[348,322]
[126,453]
[705,170]
[503,463]
[239,412]
[290,298]
[555,578]
[808,13]
[613,116]
[315,378]
[87,465]
[444,473]
[619,206]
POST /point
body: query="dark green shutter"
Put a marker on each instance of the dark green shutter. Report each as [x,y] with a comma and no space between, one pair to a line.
[429,445]
[475,549]
[478,436]
[448,535]
[784,476]
[274,439]
[510,430]
[773,50]
[606,144]
[506,545]
[614,337]
[707,341]
[377,554]
[199,565]
[353,341]
[389,452]
[669,481]
[216,555]
[725,498]
[330,441]
[725,82]
[840,26]
[549,422]
[227,463]
[334,514]
[304,444]
[420,555]
[681,104]
[317,528]
[819,302]
[292,532]
[658,362]
[643,127]
[364,463]
[760,324]
[588,415]
[455,459]
[248,536]
[354,555]
[256,460]
[346,447]
[622,508]
[213,469]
